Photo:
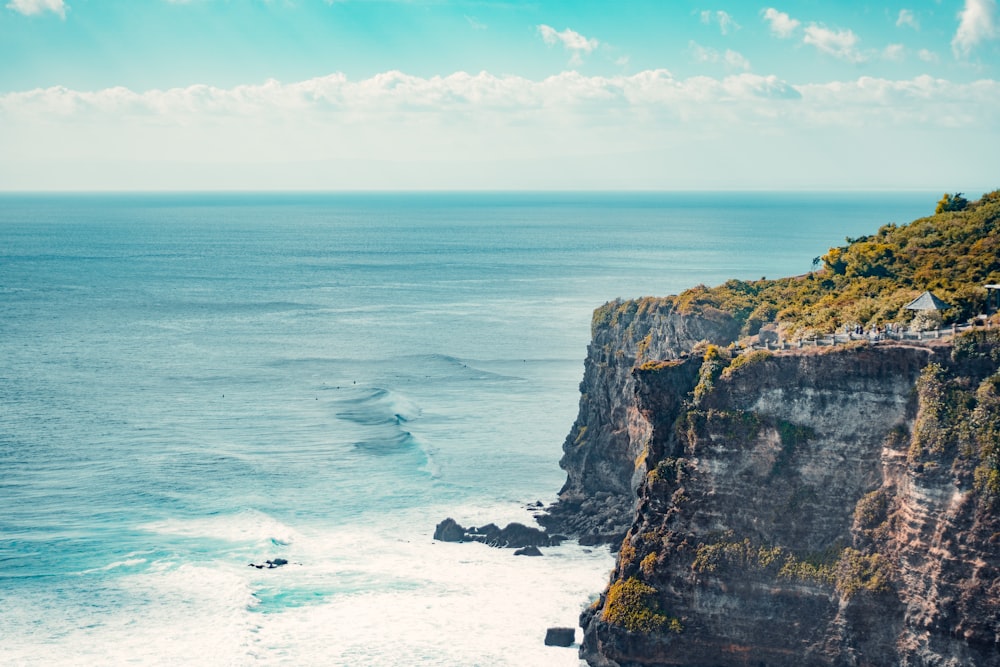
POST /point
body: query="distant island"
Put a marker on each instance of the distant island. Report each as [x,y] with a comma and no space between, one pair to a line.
[792,472]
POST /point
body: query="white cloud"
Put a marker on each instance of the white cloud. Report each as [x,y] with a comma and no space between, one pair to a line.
[395,130]
[725,21]
[894,52]
[977,23]
[928,56]
[337,100]
[782,24]
[33,7]
[732,59]
[838,43]
[907,18]
[571,40]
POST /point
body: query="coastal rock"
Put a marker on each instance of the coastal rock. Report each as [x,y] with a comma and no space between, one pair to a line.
[560,636]
[449,531]
[513,536]
[810,507]
[528,551]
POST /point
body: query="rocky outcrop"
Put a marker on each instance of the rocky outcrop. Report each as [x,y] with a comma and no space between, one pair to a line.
[808,507]
[601,454]
[513,536]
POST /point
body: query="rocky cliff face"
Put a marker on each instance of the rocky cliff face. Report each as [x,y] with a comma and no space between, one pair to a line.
[834,507]
[603,451]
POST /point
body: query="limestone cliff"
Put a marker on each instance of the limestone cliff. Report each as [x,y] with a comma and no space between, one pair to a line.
[602,453]
[808,507]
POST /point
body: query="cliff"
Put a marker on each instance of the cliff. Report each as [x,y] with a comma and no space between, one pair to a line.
[602,453]
[833,506]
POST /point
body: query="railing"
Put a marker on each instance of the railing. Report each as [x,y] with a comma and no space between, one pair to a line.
[905,335]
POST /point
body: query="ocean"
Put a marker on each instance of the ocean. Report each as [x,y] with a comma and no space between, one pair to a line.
[190,383]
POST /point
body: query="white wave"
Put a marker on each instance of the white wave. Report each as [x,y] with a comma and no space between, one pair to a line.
[128,562]
[246,526]
[370,594]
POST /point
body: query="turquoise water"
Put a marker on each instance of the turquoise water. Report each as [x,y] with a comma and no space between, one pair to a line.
[190,383]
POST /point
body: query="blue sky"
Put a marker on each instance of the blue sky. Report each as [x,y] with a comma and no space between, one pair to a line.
[447,94]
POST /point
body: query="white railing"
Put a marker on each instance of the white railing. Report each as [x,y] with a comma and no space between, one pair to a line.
[905,335]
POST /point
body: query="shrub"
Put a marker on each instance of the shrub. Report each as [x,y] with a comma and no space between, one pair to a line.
[744,360]
[871,510]
[858,572]
[633,605]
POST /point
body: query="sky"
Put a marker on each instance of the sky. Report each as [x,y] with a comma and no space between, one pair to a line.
[114,95]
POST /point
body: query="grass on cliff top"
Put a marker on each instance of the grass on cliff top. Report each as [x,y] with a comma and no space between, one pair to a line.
[868,281]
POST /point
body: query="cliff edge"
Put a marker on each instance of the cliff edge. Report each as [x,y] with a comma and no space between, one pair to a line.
[602,453]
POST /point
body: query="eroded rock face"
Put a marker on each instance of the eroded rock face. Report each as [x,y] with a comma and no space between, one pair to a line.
[597,502]
[806,508]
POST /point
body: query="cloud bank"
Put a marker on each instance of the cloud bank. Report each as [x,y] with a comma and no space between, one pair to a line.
[646,130]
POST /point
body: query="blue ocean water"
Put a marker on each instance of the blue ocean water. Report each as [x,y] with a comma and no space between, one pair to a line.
[193,382]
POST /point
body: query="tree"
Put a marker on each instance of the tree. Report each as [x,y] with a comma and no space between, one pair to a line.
[955,202]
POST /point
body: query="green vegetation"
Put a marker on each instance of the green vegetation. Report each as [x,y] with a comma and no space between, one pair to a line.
[870,512]
[949,203]
[958,418]
[745,360]
[930,431]
[658,365]
[668,470]
[869,280]
[648,564]
[622,313]
[862,572]
[986,433]
[775,561]
[850,571]
[713,363]
[634,606]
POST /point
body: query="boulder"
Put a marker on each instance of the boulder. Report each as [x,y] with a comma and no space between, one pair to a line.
[528,551]
[560,636]
[517,535]
[449,531]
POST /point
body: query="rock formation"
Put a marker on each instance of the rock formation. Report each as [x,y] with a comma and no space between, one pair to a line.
[513,536]
[833,506]
[597,502]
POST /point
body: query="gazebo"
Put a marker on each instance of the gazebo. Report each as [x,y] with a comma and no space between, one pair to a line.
[928,301]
